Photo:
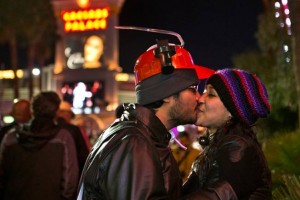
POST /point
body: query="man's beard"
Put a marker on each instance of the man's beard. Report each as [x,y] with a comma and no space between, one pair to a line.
[178,117]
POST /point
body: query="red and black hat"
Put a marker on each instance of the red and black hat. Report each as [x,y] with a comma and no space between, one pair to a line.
[165,69]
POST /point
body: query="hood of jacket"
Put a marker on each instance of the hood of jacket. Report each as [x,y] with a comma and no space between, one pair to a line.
[37,134]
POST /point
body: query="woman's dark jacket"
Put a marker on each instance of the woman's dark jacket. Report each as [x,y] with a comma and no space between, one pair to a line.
[132,160]
[232,166]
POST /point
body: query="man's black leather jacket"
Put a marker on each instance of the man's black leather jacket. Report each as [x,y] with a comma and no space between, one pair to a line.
[132,160]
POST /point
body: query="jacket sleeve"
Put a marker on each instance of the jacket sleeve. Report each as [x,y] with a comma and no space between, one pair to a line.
[70,165]
[134,172]
[218,191]
[243,165]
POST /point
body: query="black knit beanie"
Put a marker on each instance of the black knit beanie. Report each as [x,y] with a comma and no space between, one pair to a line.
[242,93]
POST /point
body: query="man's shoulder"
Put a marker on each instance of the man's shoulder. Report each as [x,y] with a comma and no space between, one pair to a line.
[7,128]
[70,127]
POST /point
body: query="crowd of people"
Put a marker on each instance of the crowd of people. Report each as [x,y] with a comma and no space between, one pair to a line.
[44,156]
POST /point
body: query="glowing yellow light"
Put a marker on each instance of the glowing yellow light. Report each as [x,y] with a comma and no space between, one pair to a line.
[9,74]
[91,14]
[103,24]
[85,20]
[66,16]
[122,77]
[20,73]
[89,25]
[85,15]
[79,15]
[105,13]
[72,16]
[98,13]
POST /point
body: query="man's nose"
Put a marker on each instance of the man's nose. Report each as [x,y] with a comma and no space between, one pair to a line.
[198,96]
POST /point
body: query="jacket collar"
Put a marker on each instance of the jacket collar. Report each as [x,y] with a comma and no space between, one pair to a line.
[148,118]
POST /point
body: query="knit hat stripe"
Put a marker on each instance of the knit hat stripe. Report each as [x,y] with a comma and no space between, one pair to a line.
[257,107]
[247,81]
[233,84]
[264,97]
[248,94]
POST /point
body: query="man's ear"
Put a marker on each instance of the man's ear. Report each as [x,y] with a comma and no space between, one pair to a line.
[168,99]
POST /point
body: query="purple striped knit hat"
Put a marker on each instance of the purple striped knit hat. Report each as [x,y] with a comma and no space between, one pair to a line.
[242,93]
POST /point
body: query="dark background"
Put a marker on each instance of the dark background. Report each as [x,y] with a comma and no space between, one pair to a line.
[213,30]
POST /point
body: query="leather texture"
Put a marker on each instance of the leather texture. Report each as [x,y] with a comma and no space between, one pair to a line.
[132,160]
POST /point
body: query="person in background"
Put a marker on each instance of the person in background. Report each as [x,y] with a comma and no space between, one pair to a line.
[39,161]
[132,158]
[232,164]
[21,113]
[64,117]
[185,157]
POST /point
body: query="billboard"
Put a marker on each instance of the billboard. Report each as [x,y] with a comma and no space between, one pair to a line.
[84,52]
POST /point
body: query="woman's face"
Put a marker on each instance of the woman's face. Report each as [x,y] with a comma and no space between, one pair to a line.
[212,112]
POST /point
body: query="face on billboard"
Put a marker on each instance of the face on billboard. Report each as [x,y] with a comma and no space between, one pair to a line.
[83,3]
[93,50]
[84,53]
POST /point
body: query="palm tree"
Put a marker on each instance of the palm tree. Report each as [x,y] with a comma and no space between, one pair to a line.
[38,31]
[30,23]
[8,34]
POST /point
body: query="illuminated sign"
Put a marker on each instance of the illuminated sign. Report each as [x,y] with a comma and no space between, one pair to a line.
[85,20]
[9,74]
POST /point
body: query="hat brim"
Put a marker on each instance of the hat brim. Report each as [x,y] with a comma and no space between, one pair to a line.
[203,72]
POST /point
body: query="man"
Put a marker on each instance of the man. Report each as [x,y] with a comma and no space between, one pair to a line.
[39,161]
[64,118]
[132,158]
[21,113]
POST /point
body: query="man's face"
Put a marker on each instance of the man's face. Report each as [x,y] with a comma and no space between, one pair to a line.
[184,108]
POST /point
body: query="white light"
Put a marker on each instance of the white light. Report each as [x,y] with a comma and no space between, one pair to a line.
[87,110]
[288,21]
[277,14]
[277,4]
[286,48]
[36,71]
[77,111]
[284,2]
[68,51]
[97,110]
[180,128]
[287,59]
[7,119]
[286,11]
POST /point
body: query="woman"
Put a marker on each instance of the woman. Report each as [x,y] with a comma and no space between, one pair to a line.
[232,164]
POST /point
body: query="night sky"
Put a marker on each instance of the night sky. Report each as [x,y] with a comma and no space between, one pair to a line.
[213,30]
